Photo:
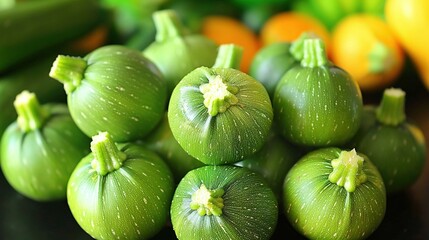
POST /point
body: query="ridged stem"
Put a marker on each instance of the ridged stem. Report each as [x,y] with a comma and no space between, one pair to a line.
[107,156]
[167,25]
[314,53]
[31,115]
[297,46]
[229,56]
[391,110]
[69,71]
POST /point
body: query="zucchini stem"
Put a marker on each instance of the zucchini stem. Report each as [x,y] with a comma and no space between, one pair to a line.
[347,170]
[31,114]
[207,202]
[391,110]
[314,53]
[229,56]
[69,71]
[297,46]
[107,156]
[167,25]
[218,96]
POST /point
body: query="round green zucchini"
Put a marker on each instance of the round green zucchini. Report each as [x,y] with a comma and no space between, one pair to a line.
[223,202]
[316,103]
[334,194]
[115,89]
[120,191]
[41,148]
[220,115]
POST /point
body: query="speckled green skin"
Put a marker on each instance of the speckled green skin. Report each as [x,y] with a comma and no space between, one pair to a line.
[250,209]
[178,56]
[273,161]
[120,92]
[319,106]
[229,136]
[399,152]
[320,209]
[271,63]
[131,202]
[162,141]
[39,163]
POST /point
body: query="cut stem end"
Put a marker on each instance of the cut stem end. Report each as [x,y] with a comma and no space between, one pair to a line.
[218,96]
[207,202]
[347,170]
[107,156]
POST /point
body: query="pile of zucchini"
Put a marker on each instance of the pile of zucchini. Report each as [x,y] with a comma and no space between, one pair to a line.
[141,141]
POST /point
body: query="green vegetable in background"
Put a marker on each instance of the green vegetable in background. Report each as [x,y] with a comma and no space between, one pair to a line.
[317,103]
[174,51]
[114,89]
[393,143]
[162,141]
[273,60]
[120,190]
[41,148]
[223,202]
[330,12]
[132,21]
[334,194]
[192,12]
[5,4]
[273,161]
[220,115]
[271,63]
[31,27]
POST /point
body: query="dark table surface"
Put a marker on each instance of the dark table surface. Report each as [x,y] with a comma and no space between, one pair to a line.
[407,215]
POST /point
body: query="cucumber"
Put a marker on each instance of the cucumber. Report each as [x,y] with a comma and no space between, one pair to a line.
[31,27]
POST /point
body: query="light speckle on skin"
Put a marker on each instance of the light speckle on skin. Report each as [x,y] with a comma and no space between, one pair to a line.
[83,115]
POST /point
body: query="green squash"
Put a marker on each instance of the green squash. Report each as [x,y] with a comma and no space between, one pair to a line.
[220,115]
[223,202]
[334,194]
[162,141]
[115,89]
[175,51]
[316,103]
[41,148]
[273,161]
[120,191]
[272,61]
[394,143]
